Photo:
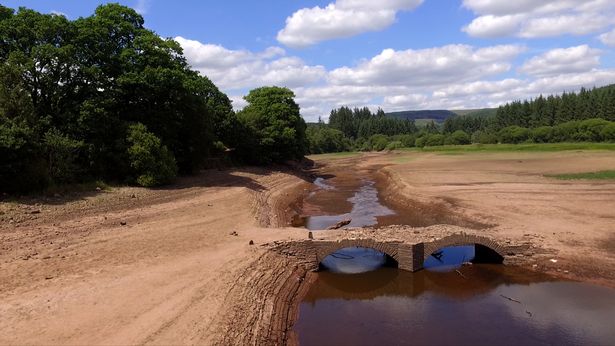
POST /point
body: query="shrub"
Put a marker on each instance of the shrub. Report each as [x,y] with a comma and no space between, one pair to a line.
[543,134]
[407,141]
[61,152]
[420,142]
[608,132]
[513,134]
[590,130]
[484,137]
[434,140]
[458,137]
[378,142]
[566,132]
[152,163]
[394,145]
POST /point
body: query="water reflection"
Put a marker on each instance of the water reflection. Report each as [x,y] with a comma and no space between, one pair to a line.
[354,260]
[388,306]
[450,258]
[366,207]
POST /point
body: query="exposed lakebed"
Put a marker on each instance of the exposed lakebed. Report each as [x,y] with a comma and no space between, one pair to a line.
[357,300]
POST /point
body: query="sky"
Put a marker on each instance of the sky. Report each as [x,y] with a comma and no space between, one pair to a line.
[393,54]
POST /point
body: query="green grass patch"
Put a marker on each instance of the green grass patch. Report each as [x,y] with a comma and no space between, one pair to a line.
[529,147]
[330,156]
[601,175]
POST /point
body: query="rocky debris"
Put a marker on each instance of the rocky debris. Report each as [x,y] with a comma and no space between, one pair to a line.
[251,242]
[37,211]
[340,224]
[123,223]
[133,196]
[234,233]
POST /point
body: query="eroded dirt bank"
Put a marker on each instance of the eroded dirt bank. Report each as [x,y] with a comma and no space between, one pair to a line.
[174,266]
[135,266]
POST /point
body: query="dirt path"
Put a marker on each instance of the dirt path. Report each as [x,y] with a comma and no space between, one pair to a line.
[136,266]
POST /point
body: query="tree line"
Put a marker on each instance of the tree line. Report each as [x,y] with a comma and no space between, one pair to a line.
[586,116]
[102,97]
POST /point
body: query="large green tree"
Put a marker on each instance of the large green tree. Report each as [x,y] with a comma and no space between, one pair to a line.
[274,124]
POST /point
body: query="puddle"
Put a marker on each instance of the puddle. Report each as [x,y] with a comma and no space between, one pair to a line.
[490,304]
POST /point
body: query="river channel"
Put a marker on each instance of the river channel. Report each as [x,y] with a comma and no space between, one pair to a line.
[358,300]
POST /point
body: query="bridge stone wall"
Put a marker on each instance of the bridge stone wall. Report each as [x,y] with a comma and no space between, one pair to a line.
[409,257]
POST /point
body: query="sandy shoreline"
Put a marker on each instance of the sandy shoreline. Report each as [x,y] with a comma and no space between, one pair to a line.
[135,266]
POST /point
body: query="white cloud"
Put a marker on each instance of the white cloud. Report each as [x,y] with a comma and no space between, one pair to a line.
[142,6]
[608,38]
[447,77]
[58,13]
[563,60]
[237,69]
[434,66]
[532,19]
[343,18]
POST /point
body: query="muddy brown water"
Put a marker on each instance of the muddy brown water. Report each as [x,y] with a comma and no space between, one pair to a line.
[492,305]
[357,301]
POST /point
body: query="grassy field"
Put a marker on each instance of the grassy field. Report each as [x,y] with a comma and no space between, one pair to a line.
[601,175]
[537,147]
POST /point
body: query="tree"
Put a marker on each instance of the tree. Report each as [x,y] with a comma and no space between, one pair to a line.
[276,127]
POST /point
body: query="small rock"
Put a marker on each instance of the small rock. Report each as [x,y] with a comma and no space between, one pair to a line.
[565,271]
[210,205]
[122,223]
[98,188]
[553,260]
[133,196]
[534,265]
[48,277]
[35,211]
[251,242]
[310,235]
[417,232]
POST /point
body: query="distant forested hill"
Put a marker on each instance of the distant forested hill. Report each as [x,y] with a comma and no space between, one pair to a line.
[440,115]
[436,115]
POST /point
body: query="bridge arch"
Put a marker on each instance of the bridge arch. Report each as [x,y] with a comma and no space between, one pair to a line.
[390,249]
[485,248]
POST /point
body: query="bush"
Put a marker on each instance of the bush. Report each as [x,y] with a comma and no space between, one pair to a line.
[407,141]
[483,137]
[434,140]
[61,152]
[543,134]
[590,130]
[152,163]
[566,132]
[420,142]
[608,133]
[458,137]
[394,145]
[513,134]
[378,142]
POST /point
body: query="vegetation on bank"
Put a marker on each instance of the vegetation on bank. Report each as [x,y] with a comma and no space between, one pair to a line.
[587,116]
[104,98]
[601,175]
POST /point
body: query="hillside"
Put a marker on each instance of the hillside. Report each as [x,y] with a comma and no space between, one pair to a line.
[439,115]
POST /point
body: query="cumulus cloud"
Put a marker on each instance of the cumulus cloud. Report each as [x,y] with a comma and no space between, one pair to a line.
[533,19]
[433,66]
[562,60]
[237,69]
[343,18]
[447,77]
[608,38]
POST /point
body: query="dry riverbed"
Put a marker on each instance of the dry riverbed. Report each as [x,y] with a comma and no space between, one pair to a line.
[175,265]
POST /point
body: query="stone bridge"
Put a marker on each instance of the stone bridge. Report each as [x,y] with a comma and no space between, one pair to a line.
[408,255]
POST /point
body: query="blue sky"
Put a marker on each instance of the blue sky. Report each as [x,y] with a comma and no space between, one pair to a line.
[394,54]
